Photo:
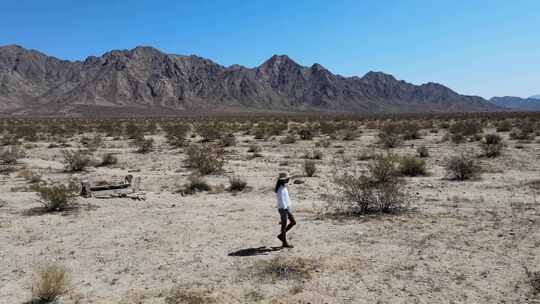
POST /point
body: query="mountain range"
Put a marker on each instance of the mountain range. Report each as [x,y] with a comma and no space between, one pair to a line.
[517,103]
[147,80]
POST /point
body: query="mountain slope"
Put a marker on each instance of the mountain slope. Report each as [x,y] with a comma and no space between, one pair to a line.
[517,103]
[535,97]
[146,79]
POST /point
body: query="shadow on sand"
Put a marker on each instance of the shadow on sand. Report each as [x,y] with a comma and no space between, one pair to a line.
[254,251]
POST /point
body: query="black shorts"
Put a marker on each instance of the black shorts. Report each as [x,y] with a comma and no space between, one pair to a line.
[284,214]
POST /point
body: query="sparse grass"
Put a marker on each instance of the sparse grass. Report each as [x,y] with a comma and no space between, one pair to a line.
[462,167]
[286,268]
[50,282]
[310,168]
[190,294]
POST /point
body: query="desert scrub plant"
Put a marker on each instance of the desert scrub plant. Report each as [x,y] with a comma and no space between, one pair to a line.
[467,128]
[288,139]
[55,198]
[196,183]
[306,132]
[190,294]
[422,151]
[143,145]
[410,130]
[286,268]
[76,160]
[92,143]
[108,159]
[50,281]
[379,191]
[133,131]
[389,135]
[492,145]
[210,131]
[310,168]
[412,166]
[254,148]
[228,140]
[176,134]
[504,126]
[10,155]
[237,184]
[206,158]
[462,167]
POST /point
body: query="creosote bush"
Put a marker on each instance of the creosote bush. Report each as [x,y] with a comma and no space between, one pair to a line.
[76,160]
[206,158]
[462,167]
[237,184]
[310,168]
[50,282]
[381,190]
[109,159]
[492,145]
[196,183]
[55,197]
[389,135]
[176,134]
[422,151]
[143,145]
[412,166]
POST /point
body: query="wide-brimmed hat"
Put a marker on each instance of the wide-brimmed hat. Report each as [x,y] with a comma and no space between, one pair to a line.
[283,176]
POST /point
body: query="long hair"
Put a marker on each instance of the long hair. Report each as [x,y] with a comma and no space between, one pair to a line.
[279,183]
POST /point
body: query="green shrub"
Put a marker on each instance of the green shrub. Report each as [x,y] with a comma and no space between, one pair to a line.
[206,159]
[412,166]
[492,145]
[196,183]
[56,197]
[462,167]
[383,168]
[389,135]
[76,160]
[310,167]
[176,134]
[143,145]
[422,151]
[109,159]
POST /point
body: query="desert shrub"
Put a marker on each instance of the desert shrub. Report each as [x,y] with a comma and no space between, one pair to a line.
[389,135]
[412,166]
[76,160]
[323,142]
[381,190]
[92,143]
[9,140]
[254,148]
[237,183]
[50,282]
[286,268]
[313,154]
[524,131]
[366,155]
[306,132]
[55,197]
[457,138]
[534,280]
[504,126]
[350,134]
[410,130]
[462,167]
[11,155]
[422,151]
[492,145]
[310,167]
[205,158]
[133,131]
[210,131]
[228,140]
[289,139]
[109,159]
[176,134]
[467,128]
[196,183]
[143,145]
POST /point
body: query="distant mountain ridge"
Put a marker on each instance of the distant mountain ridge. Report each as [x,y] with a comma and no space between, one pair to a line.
[517,103]
[146,79]
[535,97]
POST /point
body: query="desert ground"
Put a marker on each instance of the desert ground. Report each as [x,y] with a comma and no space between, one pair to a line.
[471,241]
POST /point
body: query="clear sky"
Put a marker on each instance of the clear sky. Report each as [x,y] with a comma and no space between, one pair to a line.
[487,48]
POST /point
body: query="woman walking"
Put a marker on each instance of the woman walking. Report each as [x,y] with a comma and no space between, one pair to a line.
[284,208]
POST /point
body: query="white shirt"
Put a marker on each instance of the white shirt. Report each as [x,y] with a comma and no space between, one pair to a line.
[283,198]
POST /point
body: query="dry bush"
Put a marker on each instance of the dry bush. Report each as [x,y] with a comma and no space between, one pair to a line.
[177,134]
[410,130]
[534,280]
[462,167]
[323,142]
[237,184]
[289,139]
[286,268]
[412,166]
[143,145]
[465,129]
[389,135]
[133,131]
[307,132]
[50,282]
[310,167]
[196,183]
[504,126]
[254,148]
[55,198]
[9,140]
[492,145]
[314,154]
[206,159]
[11,154]
[190,294]
[210,131]
[350,134]
[366,155]
[381,190]
[93,143]
[228,140]
[524,131]
[108,159]
[76,160]
[422,151]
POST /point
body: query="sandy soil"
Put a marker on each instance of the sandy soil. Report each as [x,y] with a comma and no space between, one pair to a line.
[461,242]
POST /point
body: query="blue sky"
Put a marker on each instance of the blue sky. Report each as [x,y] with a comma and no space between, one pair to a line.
[486,48]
